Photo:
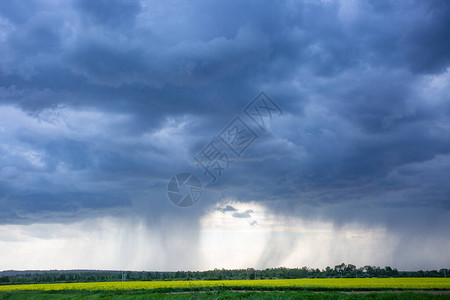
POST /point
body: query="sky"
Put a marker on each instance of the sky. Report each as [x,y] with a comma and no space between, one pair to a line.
[103,103]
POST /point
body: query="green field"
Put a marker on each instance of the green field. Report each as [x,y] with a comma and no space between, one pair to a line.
[412,288]
[18,295]
[267,284]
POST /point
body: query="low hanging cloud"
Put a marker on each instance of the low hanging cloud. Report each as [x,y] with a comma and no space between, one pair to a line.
[243,215]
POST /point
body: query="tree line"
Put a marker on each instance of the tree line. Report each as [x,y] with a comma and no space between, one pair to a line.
[339,271]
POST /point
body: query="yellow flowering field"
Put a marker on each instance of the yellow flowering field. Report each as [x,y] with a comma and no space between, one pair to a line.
[338,283]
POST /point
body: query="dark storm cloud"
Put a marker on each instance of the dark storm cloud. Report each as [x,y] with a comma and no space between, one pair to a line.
[364,87]
[227,208]
[109,13]
[236,213]
[427,43]
[243,214]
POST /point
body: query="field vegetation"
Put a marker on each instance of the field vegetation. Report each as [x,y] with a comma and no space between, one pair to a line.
[350,284]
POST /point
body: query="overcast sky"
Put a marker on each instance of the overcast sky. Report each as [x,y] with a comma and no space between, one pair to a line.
[103,102]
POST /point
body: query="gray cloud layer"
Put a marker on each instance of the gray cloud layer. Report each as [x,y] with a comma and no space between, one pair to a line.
[103,101]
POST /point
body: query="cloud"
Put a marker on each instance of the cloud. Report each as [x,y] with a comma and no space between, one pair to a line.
[236,212]
[102,103]
[227,208]
[108,13]
[243,215]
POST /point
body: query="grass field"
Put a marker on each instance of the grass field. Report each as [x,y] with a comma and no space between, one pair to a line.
[277,284]
[145,294]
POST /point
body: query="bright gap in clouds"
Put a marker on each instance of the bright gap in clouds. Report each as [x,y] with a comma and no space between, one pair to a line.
[233,235]
[225,242]
[240,235]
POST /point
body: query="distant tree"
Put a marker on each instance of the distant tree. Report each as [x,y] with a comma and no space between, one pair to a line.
[251,273]
[340,269]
